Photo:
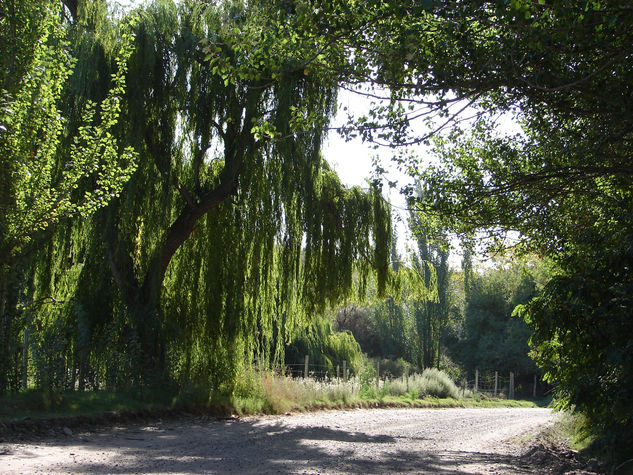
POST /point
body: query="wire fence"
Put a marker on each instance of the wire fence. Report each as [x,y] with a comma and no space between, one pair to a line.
[496,384]
[490,383]
[317,371]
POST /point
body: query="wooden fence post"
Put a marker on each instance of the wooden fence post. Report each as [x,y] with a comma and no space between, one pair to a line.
[337,371]
[496,382]
[476,380]
[378,373]
[305,367]
[344,369]
[406,376]
[511,390]
[534,388]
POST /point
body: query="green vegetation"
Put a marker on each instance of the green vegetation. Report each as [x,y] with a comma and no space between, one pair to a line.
[45,404]
[432,389]
[475,330]
[224,240]
[487,336]
[572,427]
[260,393]
[325,348]
[563,182]
[167,219]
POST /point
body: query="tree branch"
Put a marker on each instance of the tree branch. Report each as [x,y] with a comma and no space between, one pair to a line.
[237,146]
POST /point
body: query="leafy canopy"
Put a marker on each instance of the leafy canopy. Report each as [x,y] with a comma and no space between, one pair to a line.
[40,183]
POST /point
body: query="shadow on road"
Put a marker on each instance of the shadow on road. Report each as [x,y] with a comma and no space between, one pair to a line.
[252,447]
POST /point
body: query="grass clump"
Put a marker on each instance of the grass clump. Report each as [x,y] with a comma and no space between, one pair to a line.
[274,394]
[577,431]
[433,382]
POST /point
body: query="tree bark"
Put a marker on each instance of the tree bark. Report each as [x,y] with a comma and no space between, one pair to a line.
[236,146]
[4,336]
[72,6]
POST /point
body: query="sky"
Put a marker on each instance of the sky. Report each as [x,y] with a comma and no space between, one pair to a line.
[353,162]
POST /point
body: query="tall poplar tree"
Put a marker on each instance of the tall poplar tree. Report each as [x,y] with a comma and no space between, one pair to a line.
[431,315]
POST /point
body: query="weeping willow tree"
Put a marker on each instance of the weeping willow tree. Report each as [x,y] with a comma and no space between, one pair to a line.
[231,233]
[326,349]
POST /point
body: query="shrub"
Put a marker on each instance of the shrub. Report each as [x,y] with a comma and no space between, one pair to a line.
[433,382]
[398,387]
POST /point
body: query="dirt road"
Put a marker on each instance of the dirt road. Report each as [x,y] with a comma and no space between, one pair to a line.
[460,441]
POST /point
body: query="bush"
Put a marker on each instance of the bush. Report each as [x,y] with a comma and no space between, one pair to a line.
[326,349]
[433,382]
[394,368]
[398,387]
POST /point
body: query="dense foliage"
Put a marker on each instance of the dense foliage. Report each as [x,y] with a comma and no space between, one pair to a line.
[49,170]
[486,336]
[563,182]
[231,232]
[583,333]
[562,70]
[326,350]
[407,324]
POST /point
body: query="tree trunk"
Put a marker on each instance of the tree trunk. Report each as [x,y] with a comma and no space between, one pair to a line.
[9,291]
[143,299]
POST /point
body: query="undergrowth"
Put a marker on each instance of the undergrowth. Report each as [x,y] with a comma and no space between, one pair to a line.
[277,394]
[260,393]
[576,429]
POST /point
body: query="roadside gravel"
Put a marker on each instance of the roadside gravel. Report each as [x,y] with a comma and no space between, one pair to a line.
[460,441]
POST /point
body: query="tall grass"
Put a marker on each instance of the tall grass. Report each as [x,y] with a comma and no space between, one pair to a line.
[277,394]
[431,382]
[274,393]
[260,393]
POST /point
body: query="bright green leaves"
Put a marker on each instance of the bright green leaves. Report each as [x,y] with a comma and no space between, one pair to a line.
[264,130]
[94,152]
[43,183]
[30,135]
[228,120]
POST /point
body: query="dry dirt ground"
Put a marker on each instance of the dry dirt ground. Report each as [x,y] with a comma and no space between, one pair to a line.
[456,441]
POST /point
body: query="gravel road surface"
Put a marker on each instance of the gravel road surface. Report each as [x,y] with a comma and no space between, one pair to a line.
[459,441]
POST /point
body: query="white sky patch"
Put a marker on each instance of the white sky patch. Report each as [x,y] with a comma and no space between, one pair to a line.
[353,161]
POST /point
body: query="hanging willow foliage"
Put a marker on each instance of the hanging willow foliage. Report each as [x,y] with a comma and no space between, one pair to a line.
[232,232]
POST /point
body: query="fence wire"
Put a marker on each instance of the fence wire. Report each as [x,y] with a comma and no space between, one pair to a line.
[484,384]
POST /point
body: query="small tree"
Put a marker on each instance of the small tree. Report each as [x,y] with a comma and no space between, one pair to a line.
[40,184]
